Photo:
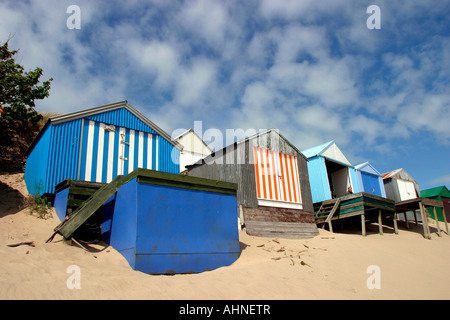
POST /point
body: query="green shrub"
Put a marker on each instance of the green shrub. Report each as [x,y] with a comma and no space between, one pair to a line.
[39,205]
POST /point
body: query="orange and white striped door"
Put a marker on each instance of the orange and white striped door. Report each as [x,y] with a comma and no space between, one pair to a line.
[277,180]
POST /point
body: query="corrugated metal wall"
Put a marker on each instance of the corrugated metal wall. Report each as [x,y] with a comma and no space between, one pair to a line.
[122,118]
[97,148]
[63,153]
[37,163]
[169,156]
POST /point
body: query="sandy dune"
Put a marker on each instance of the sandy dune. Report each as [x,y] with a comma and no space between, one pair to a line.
[329,266]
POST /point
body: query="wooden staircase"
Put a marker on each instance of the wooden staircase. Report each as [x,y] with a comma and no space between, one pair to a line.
[326,212]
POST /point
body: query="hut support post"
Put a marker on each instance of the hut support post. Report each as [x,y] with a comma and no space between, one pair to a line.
[426,229]
[437,221]
[363,225]
[406,220]
[395,222]
[445,219]
[380,223]
[415,217]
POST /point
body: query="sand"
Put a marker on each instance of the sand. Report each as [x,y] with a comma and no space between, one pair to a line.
[329,266]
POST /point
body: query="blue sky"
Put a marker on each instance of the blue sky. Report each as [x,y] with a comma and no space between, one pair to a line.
[311,69]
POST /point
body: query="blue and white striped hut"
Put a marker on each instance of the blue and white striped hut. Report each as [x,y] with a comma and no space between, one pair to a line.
[97,145]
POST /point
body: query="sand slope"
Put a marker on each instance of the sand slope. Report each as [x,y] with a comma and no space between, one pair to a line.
[329,266]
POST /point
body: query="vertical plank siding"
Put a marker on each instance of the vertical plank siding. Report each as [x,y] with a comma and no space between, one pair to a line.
[63,154]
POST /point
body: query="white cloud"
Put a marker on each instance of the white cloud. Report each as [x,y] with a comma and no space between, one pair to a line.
[431,113]
[159,58]
[309,68]
[208,19]
[194,82]
[441,180]
[368,129]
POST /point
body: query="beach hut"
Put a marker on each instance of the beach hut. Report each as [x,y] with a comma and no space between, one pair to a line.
[335,191]
[369,179]
[97,145]
[194,148]
[331,174]
[274,196]
[404,190]
[400,185]
[441,194]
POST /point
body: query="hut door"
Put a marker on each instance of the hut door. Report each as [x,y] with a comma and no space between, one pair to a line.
[371,183]
[406,190]
[277,179]
[123,152]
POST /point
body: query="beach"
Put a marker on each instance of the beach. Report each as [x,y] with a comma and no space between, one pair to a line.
[342,265]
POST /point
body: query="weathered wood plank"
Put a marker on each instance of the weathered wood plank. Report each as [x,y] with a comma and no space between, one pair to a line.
[437,221]
[380,223]
[363,225]
[426,229]
[89,207]
[281,229]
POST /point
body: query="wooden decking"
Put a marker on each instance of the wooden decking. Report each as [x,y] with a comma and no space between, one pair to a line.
[371,207]
[365,205]
[279,222]
[421,204]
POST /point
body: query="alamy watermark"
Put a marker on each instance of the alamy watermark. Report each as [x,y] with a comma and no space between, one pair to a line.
[74,20]
[223,143]
[374,280]
[73,282]
[374,21]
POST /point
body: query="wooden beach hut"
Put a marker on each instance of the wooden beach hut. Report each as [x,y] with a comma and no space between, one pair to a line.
[441,194]
[404,190]
[400,185]
[97,145]
[274,196]
[336,193]
[331,174]
[194,148]
[369,179]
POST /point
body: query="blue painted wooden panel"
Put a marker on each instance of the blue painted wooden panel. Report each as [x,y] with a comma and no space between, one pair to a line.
[123,228]
[163,229]
[318,178]
[371,183]
[60,203]
[188,221]
[352,172]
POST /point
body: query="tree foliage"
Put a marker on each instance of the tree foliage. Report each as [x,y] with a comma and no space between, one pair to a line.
[18,118]
[19,89]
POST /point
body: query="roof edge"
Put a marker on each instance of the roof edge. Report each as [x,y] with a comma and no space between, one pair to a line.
[114,106]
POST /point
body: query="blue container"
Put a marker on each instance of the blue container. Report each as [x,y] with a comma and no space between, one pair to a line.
[173,224]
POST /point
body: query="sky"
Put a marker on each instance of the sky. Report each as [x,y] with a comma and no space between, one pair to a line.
[312,69]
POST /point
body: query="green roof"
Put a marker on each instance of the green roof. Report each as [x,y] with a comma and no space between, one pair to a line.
[435,192]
